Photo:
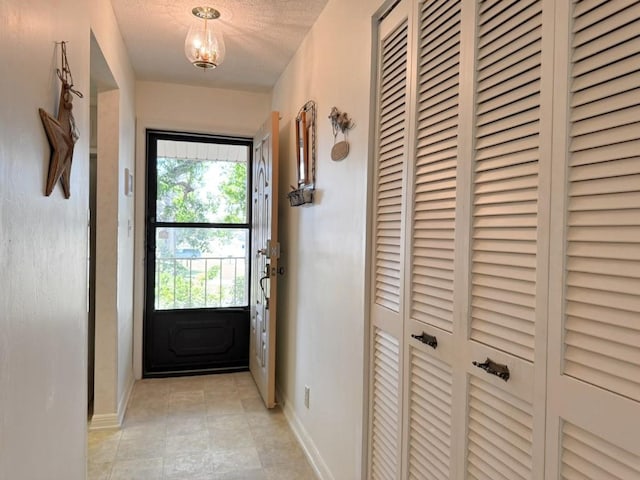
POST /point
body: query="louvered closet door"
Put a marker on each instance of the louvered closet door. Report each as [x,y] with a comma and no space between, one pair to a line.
[385,427]
[507,229]
[594,353]
[432,213]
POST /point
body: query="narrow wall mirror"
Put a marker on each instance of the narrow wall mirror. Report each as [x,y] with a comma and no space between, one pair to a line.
[305,155]
[306,144]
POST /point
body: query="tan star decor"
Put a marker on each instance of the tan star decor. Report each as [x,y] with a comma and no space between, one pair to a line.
[61,132]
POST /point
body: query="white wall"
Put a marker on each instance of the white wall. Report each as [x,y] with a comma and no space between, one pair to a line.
[115,217]
[197,109]
[184,108]
[43,248]
[321,320]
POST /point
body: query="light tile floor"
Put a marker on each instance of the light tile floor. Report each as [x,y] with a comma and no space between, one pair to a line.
[212,427]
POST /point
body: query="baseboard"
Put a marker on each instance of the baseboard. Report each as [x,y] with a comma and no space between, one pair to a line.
[124,400]
[104,421]
[311,452]
[113,420]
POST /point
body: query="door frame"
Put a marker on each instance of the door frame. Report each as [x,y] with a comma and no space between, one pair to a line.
[148,267]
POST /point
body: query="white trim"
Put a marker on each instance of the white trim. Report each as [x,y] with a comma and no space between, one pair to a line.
[139,226]
[113,420]
[104,421]
[320,468]
[124,400]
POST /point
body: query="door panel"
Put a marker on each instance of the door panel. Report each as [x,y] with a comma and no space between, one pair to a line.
[507,234]
[594,356]
[430,412]
[264,253]
[199,339]
[499,433]
[387,303]
[585,455]
[386,407]
[434,166]
[505,221]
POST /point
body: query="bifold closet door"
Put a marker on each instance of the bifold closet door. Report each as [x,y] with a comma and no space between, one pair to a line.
[479,243]
[388,258]
[429,343]
[502,286]
[594,354]
[505,289]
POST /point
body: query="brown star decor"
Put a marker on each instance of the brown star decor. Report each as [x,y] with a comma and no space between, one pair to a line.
[61,132]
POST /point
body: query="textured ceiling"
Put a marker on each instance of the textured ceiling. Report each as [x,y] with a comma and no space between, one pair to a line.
[260,36]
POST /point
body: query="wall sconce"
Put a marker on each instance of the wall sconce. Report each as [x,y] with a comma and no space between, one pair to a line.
[204,45]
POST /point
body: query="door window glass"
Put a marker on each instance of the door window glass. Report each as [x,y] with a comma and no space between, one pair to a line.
[199,222]
[201,267]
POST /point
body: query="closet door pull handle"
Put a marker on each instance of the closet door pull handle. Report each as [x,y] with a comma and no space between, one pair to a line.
[427,339]
[494,368]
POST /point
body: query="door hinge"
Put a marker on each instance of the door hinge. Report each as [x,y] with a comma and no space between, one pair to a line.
[273,249]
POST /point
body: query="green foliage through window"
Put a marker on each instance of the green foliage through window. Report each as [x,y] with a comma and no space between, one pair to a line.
[199,267]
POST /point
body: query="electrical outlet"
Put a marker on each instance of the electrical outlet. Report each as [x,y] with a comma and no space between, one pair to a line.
[307,391]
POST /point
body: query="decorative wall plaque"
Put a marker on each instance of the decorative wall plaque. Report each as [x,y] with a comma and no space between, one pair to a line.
[61,131]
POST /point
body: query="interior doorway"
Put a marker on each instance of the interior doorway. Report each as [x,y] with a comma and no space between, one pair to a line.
[101,80]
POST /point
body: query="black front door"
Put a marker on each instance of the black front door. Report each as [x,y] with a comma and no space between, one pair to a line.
[197,262]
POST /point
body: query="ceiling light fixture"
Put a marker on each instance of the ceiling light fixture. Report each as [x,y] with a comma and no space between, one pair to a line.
[204,45]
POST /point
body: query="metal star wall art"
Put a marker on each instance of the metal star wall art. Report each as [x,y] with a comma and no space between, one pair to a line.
[61,131]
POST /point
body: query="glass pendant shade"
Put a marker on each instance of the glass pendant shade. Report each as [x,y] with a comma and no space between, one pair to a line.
[204,45]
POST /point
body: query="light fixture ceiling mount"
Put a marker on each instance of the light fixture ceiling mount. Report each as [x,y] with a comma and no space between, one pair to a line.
[204,45]
[206,13]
